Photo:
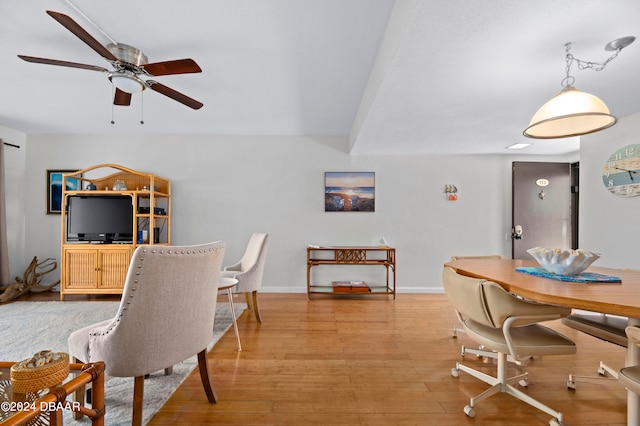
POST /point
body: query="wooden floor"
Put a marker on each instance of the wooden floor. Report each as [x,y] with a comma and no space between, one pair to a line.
[375,361]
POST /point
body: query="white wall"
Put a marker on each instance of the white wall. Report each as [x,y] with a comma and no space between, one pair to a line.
[224,188]
[15,171]
[609,224]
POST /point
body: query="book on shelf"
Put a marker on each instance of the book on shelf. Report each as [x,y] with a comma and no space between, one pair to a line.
[350,287]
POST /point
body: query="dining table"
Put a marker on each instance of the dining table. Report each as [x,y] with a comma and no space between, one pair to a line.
[614,298]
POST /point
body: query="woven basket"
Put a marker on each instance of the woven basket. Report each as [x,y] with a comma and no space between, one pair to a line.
[31,379]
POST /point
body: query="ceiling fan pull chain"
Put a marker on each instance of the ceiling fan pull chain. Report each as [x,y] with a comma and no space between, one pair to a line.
[112,112]
[141,107]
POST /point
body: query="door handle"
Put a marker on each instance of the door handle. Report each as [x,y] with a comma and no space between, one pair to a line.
[516,232]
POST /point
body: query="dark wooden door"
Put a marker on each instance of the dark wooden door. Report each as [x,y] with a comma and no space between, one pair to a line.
[541,209]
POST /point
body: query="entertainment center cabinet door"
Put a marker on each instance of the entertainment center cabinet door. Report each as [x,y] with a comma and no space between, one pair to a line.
[90,269]
[113,266]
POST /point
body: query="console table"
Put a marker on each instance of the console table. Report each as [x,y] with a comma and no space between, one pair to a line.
[364,256]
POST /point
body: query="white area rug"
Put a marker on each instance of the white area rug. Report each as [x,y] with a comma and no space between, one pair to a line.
[29,327]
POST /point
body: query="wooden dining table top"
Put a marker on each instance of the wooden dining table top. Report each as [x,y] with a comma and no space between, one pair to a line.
[609,298]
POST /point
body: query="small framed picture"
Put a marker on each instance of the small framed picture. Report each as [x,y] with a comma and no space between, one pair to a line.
[54,189]
[349,191]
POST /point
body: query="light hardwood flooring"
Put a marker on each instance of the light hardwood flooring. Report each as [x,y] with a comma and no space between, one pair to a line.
[375,361]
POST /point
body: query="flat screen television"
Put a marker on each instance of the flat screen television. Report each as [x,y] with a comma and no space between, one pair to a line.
[100,218]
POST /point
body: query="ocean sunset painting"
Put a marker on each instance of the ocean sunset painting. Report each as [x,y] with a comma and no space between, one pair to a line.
[349,191]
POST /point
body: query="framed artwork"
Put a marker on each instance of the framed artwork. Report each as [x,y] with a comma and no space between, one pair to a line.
[349,191]
[54,189]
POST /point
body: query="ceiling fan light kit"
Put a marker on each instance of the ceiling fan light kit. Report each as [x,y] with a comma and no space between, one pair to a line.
[126,81]
[573,112]
[129,66]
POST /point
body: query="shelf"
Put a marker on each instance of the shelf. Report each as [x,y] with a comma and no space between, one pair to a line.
[372,287]
[333,262]
[329,291]
[140,194]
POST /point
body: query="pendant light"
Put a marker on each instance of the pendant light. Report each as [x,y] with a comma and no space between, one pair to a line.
[573,112]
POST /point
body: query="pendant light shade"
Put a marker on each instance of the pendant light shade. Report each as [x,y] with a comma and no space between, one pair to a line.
[570,113]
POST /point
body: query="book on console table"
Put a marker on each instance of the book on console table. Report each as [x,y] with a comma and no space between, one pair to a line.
[350,287]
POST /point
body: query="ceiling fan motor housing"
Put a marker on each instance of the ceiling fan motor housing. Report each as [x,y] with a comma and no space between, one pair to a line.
[129,55]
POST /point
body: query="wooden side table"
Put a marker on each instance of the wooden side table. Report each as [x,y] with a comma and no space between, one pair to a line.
[227,283]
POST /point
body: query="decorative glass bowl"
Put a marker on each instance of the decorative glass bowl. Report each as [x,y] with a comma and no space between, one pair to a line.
[563,262]
[119,185]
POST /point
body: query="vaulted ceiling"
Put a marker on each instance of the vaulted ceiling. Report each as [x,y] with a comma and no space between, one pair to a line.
[403,77]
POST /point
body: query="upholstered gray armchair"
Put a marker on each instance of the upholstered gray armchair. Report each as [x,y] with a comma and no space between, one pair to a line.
[166,315]
[248,271]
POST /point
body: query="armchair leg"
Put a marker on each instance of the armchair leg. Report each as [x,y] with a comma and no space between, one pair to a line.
[256,311]
[138,398]
[247,298]
[55,418]
[204,376]
[78,396]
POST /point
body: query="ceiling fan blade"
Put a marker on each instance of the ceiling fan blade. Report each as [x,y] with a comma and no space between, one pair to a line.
[47,61]
[167,91]
[83,35]
[179,66]
[122,98]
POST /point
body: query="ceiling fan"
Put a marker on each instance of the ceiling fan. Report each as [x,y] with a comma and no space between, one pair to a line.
[128,63]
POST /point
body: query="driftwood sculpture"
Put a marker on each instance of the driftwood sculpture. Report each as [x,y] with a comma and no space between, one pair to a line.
[30,280]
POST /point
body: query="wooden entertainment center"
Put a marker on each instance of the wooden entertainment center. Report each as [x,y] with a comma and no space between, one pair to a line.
[91,267]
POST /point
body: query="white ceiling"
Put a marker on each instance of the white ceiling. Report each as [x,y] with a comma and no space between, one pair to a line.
[403,77]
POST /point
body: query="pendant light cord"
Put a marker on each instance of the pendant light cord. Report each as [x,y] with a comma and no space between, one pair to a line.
[583,65]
